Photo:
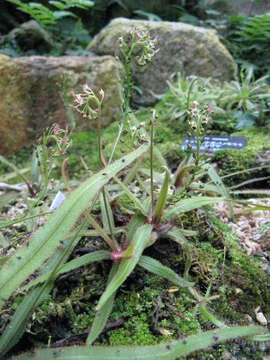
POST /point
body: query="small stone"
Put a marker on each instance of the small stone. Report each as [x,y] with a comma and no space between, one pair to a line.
[260,317]
[165,332]
[238,291]
[248,319]
[266,268]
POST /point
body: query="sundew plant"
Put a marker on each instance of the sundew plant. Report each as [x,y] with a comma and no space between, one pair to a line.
[162,198]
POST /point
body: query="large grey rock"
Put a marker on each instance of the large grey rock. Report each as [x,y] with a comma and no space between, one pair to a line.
[30,36]
[198,49]
[30,94]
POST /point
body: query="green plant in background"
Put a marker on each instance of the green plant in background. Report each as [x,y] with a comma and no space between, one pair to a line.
[60,20]
[248,95]
[187,90]
[248,40]
[234,105]
[47,17]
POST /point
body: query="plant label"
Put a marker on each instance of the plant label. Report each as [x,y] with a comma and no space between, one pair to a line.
[57,201]
[214,142]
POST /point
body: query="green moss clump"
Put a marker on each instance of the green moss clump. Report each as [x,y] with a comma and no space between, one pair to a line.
[84,144]
[231,161]
[135,332]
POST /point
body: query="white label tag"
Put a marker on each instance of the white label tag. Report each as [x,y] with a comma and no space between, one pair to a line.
[57,201]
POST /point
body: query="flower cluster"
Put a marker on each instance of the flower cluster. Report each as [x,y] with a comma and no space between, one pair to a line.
[140,42]
[61,138]
[88,103]
[198,116]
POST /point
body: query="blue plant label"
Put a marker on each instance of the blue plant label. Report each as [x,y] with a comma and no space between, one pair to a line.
[214,142]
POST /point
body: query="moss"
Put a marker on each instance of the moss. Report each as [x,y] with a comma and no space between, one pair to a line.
[84,144]
[230,161]
[135,332]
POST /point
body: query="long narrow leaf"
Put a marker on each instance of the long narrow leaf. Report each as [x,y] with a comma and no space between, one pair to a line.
[162,198]
[103,314]
[157,268]
[176,235]
[103,206]
[132,197]
[189,204]
[44,242]
[126,266]
[72,265]
[167,351]
[15,328]
[210,317]
[220,186]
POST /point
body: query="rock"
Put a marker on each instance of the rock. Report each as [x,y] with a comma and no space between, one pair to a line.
[30,36]
[260,317]
[198,49]
[248,319]
[266,268]
[30,94]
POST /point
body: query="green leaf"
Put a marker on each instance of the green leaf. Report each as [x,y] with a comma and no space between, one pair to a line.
[101,232]
[15,328]
[165,351]
[220,186]
[135,222]
[157,268]
[3,241]
[162,198]
[139,242]
[176,235]
[147,15]
[103,206]
[131,196]
[210,317]
[62,13]
[103,314]
[72,265]
[243,120]
[265,337]
[46,239]
[189,204]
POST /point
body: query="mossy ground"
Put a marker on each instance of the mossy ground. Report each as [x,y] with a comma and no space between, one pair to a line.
[150,310]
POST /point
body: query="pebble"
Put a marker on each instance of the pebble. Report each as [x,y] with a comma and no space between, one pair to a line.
[266,268]
[248,319]
[260,317]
